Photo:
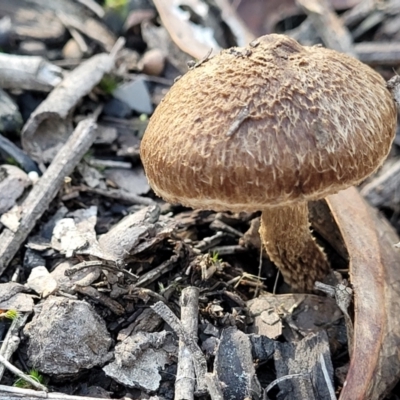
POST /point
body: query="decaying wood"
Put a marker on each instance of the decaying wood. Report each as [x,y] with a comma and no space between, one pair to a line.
[77,18]
[39,135]
[323,223]
[199,361]
[234,366]
[42,22]
[228,250]
[219,225]
[94,7]
[383,190]
[359,12]
[185,376]
[302,361]
[37,24]
[103,299]
[28,72]
[214,386]
[394,87]
[328,25]
[378,53]
[371,13]
[155,273]
[210,241]
[10,115]
[101,264]
[46,189]
[120,194]
[374,366]
[119,243]
[11,150]
[335,31]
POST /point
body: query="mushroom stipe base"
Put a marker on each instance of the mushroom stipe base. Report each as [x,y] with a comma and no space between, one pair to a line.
[286,236]
[282,124]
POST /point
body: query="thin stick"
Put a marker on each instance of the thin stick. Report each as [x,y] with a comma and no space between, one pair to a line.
[185,377]
[12,340]
[285,378]
[155,273]
[13,393]
[256,292]
[23,376]
[199,361]
[214,387]
[46,189]
[328,381]
[276,282]
[102,265]
[243,114]
[328,25]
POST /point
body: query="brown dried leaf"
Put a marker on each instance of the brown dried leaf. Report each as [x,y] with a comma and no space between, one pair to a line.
[263,16]
[375,362]
[192,39]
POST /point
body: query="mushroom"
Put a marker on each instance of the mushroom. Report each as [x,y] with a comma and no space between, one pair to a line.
[270,127]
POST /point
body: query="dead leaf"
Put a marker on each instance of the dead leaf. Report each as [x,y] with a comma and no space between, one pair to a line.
[262,17]
[375,364]
[193,39]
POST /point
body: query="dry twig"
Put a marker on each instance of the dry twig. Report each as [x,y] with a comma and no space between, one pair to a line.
[185,377]
[12,340]
[46,189]
[23,376]
[199,361]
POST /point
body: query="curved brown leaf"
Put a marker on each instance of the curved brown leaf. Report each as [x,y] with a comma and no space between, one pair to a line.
[197,39]
[374,270]
[262,17]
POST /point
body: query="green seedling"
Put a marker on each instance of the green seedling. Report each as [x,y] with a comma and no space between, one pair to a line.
[215,257]
[115,3]
[120,6]
[108,84]
[11,314]
[23,384]
[174,286]
[11,161]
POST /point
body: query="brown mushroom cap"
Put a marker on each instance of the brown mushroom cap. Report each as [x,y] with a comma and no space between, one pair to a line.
[270,124]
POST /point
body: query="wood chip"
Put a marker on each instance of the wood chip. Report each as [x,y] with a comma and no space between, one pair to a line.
[37,202]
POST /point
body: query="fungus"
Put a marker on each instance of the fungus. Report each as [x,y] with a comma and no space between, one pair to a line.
[270,127]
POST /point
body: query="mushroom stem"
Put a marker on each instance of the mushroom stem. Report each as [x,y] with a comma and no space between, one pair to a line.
[285,233]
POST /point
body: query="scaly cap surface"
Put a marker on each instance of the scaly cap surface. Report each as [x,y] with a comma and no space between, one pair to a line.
[270,124]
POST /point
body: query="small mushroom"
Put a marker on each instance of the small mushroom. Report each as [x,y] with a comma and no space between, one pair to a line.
[270,127]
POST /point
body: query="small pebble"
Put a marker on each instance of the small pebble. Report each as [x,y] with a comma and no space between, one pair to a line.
[33,176]
[72,50]
[152,62]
